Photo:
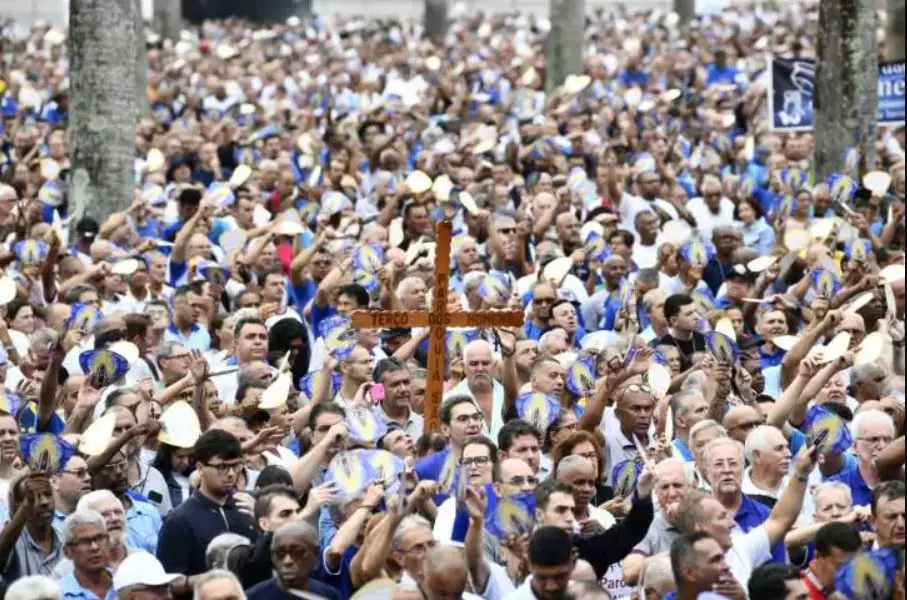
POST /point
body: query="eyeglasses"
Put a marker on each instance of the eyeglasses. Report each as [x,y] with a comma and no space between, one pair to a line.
[478,461]
[421,548]
[543,300]
[878,440]
[521,480]
[567,426]
[78,473]
[224,468]
[747,426]
[88,542]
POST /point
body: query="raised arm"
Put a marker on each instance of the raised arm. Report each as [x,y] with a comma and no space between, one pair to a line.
[806,343]
[304,469]
[475,558]
[181,241]
[349,531]
[785,512]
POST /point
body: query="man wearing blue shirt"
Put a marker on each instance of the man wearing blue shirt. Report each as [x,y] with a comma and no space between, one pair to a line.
[873,430]
[185,329]
[87,545]
[719,72]
[143,520]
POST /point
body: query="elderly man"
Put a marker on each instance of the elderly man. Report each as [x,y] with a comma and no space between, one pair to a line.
[412,293]
[712,210]
[87,546]
[673,481]
[687,409]
[480,385]
[32,546]
[218,584]
[395,410]
[872,430]
[295,552]
[706,513]
[740,421]
[888,514]
[768,454]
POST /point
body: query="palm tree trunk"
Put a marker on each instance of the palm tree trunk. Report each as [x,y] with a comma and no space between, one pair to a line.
[104,105]
[436,19]
[846,94]
[565,42]
[894,30]
[141,62]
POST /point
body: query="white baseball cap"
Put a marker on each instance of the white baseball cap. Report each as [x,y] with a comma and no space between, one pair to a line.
[142,568]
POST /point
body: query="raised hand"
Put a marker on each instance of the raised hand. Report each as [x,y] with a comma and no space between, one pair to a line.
[475,504]
[198,367]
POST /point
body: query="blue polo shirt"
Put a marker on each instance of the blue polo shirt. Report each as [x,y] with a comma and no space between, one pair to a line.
[143,523]
[751,515]
[198,338]
[70,589]
[851,477]
[533,331]
[767,360]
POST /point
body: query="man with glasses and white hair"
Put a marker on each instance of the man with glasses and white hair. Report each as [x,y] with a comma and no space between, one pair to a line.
[872,430]
[86,544]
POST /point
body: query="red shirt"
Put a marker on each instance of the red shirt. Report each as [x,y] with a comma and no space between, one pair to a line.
[813,585]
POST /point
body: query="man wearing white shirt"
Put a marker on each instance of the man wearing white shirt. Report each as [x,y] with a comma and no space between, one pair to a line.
[700,511]
[712,209]
[647,185]
[481,386]
[768,453]
[645,246]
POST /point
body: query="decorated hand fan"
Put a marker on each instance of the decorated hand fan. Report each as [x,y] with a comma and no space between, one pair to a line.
[456,339]
[827,430]
[513,516]
[388,466]
[868,575]
[625,475]
[214,273]
[364,425]
[103,366]
[340,338]
[842,188]
[722,348]
[596,249]
[793,178]
[492,290]
[825,283]
[30,252]
[352,474]
[858,250]
[581,375]
[538,409]
[308,383]
[45,453]
[697,253]
[368,257]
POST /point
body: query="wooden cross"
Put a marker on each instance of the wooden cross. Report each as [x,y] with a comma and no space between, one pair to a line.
[437,320]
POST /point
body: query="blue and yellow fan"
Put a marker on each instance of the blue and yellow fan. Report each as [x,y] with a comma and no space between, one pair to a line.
[30,252]
[825,283]
[308,212]
[364,425]
[45,452]
[339,337]
[307,383]
[823,424]
[746,186]
[704,300]
[447,477]
[785,206]
[793,178]
[220,194]
[366,279]
[722,348]
[843,187]
[581,375]
[83,317]
[456,339]
[596,248]
[512,516]
[624,477]
[540,410]
[858,249]
[368,257]
[51,193]
[659,358]
[387,465]
[103,366]
[868,575]
[11,403]
[697,253]
[351,473]
[493,290]
[214,273]
[625,294]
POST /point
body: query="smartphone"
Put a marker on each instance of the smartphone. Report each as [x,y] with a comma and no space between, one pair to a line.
[376,393]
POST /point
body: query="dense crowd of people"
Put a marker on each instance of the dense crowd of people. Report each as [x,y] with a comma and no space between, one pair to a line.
[706,399]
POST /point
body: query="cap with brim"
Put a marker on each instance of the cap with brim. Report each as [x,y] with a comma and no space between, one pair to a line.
[142,568]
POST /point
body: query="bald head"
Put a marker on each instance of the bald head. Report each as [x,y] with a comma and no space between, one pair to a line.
[572,464]
[445,572]
[740,420]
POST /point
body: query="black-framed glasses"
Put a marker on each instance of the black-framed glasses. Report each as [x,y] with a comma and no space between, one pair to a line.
[748,426]
[478,461]
[521,480]
[225,467]
[88,542]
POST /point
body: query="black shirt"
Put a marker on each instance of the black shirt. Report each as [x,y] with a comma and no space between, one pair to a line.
[189,529]
[687,347]
[612,546]
[269,590]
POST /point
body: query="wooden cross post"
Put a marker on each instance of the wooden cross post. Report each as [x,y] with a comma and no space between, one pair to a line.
[437,320]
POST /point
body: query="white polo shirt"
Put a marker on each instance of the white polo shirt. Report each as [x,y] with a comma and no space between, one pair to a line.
[748,551]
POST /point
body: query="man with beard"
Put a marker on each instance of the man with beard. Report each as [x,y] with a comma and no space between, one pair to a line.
[70,484]
[192,525]
[395,409]
[294,554]
[672,482]
[87,545]
[29,545]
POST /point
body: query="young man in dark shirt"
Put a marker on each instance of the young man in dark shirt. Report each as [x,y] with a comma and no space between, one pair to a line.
[683,318]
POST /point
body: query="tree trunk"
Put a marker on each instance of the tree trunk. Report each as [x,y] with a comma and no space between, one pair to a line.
[103,112]
[141,62]
[685,9]
[894,30]
[168,18]
[565,42]
[436,19]
[846,93]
